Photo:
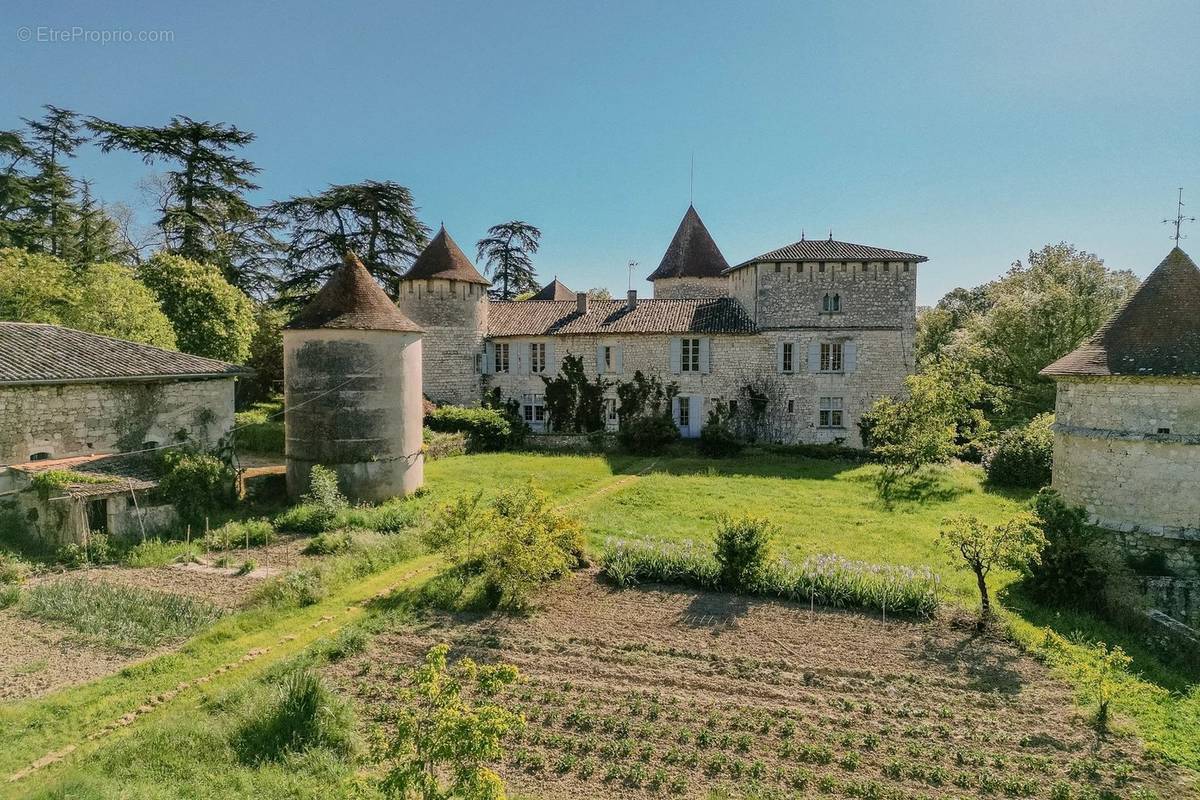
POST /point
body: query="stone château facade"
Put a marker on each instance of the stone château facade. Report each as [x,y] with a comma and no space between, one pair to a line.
[820,328]
[1127,420]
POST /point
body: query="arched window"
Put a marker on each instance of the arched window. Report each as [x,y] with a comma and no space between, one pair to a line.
[826,304]
[837,303]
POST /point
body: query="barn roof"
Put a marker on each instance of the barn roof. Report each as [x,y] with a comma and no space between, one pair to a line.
[831,250]
[554,290]
[35,353]
[352,300]
[1156,332]
[443,258]
[543,318]
[692,252]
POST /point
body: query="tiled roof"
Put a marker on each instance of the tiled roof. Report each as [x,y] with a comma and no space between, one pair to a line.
[540,318]
[443,258]
[831,250]
[554,290]
[120,472]
[1156,332]
[37,353]
[692,252]
[352,300]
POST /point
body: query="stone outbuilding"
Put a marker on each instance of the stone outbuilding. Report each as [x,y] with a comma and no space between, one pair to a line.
[1127,420]
[352,390]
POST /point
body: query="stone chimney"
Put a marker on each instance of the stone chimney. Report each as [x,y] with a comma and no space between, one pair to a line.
[631,299]
[581,301]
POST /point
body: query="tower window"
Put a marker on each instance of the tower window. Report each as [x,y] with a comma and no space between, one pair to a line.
[778,267]
[788,357]
[831,304]
[1164,430]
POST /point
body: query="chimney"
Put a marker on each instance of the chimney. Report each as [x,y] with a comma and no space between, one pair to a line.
[631,296]
[581,300]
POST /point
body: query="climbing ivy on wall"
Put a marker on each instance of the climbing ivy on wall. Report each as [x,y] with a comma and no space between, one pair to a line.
[573,403]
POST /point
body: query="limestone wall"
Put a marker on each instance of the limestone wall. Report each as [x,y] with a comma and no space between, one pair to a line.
[688,288]
[454,315]
[81,418]
[882,359]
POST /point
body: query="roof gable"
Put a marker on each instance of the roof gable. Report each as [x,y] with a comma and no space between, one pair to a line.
[1156,332]
[34,353]
[541,318]
[554,290]
[443,258]
[831,250]
[692,252]
[352,300]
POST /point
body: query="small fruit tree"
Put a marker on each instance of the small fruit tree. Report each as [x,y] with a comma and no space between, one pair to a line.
[1013,544]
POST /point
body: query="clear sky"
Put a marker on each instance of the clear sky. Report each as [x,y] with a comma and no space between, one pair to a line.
[970,132]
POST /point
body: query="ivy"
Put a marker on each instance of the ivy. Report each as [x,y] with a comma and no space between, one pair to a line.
[573,403]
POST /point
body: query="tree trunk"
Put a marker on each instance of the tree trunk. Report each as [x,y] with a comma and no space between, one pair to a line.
[985,604]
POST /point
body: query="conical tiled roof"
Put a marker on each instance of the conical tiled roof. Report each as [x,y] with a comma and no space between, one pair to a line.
[692,252]
[352,300]
[554,290]
[1156,332]
[443,258]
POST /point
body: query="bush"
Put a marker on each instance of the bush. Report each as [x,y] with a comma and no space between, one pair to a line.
[717,440]
[486,428]
[649,435]
[240,533]
[195,483]
[328,544]
[321,508]
[300,714]
[301,588]
[1022,456]
[72,555]
[157,553]
[1074,570]
[443,445]
[12,569]
[741,548]
[10,594]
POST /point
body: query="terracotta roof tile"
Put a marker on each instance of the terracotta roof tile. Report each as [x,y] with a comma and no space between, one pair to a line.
[692,252]
[1156,332]
[37,353]
[831,250]
[541,318]
[351,299]
[443,258]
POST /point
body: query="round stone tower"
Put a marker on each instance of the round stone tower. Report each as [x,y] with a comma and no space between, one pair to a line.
[447,297]
[352,390]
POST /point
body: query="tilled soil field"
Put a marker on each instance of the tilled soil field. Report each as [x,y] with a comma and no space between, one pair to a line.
[663,692]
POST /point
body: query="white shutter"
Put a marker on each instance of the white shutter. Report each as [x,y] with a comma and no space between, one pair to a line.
[675,409]
[619,359]
[599,359]
[705,356]
[779,357]
[814,356]
[675,351]
[524,358]
[550,367]
[849,357]
[696,415]
[489,358]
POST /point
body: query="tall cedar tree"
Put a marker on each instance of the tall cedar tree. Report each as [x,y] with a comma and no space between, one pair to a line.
[507,251]
[18,226]
[54,139]
[206,217]
[376,219]
[96,235]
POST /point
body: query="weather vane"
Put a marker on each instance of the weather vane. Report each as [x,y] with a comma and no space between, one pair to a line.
[632,265]
[1179,219]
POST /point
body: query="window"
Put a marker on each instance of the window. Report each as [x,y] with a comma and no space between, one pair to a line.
[610,409]
[501,364]
[534,409]
[733,408]
[478,363]
[778,267]
[791,406]
[788,357]
[831,356]
[830,412]
[689,355]
[42,456]
[1164,431]
[685,411]
[537,357]
[608,358]
[831,304]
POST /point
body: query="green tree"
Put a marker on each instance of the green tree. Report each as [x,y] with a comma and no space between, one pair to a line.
[36,287]
[507,252]
[96,236]
[19,227]
[375,219]
[573,403]
[211,318]
[205,188]
[599,293]
[1013,545]
[443,740]
[52,140]
[266,355]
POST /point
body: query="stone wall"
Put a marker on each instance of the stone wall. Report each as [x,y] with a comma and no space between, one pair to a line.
[882,359]
[454,315]
[689,288]
[77,419]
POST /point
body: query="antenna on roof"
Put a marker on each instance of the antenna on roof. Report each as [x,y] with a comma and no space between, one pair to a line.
[1179,219]
[692,178]
[802,234]
[831,233]
[629,283]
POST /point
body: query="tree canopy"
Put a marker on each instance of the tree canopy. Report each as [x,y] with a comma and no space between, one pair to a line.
[211,317]
[507,252]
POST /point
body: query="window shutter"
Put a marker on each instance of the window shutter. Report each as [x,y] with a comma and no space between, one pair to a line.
[619,359]
[779,357]
[696,415]
[705,356]
[676,348]
[550,368]
[675,408]
[849,356]
[599,359]
[489,358]
[814,356]
[524,356]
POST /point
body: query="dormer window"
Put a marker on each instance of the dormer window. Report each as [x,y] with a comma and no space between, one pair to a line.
[831,303]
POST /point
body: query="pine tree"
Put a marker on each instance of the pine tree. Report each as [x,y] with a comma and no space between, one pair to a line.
[52,140]
[96,235]
[507,251]
[18,226]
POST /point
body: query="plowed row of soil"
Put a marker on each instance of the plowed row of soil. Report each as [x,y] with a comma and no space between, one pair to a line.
[664,692]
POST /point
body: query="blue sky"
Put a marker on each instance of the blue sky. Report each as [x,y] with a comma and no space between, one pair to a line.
[970,132]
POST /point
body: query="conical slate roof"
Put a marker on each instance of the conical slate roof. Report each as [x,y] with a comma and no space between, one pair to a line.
[554,290]
[443,258]
[692,252]
[352,300]
[1155,333]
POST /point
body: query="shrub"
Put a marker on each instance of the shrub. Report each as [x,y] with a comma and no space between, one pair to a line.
[328,544]
[96,550]
[742,547]
[486,428]
[648,435]
[1075,570]
[156,553]
[304,587]
[195,483]
[1022,456]
[247,566]
[301,713]
[323,492]
[12,569]
[349,642]
[10,594]
[240,533]
[443,445]
[717,439]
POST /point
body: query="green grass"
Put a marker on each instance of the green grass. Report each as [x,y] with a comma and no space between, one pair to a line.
[159,552]
[260,428]
[122,616]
